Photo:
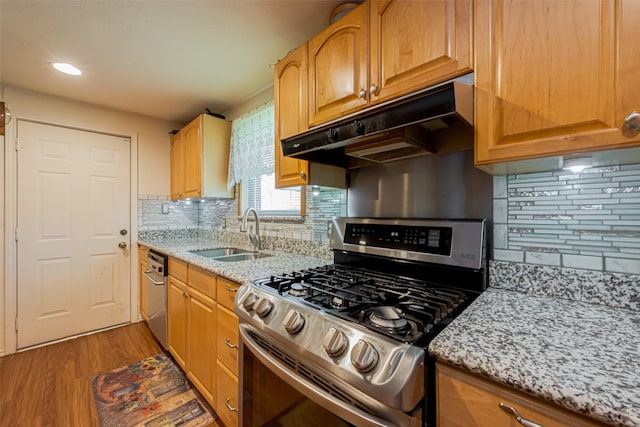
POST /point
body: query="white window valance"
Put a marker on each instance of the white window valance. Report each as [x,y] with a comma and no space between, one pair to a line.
[252,143]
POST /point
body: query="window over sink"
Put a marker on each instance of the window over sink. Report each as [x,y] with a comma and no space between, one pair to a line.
[252,166]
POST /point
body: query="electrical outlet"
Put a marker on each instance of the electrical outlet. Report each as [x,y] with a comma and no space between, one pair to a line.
[165,208]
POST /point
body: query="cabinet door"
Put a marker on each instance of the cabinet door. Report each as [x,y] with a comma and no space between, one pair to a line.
[465,400]
[177,166]
[629,65]
[338,67]
[144,290]
[415,44]
[202,343]
[228,340]
[545,78]
[177,321]
[290,100]
[193,158]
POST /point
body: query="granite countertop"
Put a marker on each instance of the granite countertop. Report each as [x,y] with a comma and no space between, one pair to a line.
[581,356]
[239,271]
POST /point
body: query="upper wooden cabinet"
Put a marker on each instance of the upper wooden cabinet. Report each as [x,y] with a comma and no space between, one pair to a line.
[200,159]
[554,77]
[384,49]
[290,100]
[415,44]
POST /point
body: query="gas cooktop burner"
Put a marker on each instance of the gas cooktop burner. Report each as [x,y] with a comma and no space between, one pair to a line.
[389,318]
[297,290]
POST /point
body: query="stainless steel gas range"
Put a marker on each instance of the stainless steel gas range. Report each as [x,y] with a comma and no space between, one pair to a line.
[345,344]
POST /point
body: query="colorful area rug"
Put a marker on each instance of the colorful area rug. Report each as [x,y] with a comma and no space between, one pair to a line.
[152,392]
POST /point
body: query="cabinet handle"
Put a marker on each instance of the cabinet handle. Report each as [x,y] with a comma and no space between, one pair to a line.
[228,405]
[184,294]
[303,176]
[362,93]
[632,121]
[525,422]
[373,89]
[228,343]
[230,289]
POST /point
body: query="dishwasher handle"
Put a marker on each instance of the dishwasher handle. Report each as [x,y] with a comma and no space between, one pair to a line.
[154,281]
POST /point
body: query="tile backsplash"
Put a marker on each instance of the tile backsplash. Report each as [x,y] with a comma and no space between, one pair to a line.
[159,213]
[587,220]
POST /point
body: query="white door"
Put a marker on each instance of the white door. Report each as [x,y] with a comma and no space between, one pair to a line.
[73,200]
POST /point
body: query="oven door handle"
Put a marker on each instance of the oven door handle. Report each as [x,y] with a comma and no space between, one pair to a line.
[309,390]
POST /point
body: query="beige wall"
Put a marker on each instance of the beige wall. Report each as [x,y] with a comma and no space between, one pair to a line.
[251,103]
[152,134]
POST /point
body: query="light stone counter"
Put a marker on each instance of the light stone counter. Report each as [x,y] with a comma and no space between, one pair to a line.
[582,356]
[239,271]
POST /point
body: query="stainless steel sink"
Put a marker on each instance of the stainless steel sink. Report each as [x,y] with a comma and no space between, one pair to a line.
[241,257]
[229,254]
[217,252]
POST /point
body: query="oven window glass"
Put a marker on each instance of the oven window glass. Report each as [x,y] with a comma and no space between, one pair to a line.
[269,401]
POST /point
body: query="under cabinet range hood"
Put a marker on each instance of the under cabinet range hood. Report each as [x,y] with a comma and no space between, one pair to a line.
[432,121]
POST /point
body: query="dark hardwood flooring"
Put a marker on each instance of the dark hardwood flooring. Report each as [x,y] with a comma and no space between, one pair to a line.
[51,386]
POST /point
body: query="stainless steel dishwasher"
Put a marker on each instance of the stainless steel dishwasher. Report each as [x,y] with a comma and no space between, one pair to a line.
[156,276]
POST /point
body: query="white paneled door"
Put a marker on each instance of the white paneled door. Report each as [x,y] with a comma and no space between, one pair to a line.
[73,202]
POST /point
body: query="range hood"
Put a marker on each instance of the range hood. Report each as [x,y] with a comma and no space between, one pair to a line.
[435,120]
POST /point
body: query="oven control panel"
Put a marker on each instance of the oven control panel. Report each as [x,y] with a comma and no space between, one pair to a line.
[425,239]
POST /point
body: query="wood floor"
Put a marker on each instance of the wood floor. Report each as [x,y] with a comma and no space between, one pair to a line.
[51,386]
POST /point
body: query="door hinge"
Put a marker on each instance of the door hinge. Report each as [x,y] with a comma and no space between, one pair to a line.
[16,324]
[16,234]
[17,144]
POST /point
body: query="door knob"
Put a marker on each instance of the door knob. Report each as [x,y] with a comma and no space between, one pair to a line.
[123,232]
[122,245]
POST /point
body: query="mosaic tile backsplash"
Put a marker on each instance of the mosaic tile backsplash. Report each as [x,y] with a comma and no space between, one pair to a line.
[588,220]
[158,213]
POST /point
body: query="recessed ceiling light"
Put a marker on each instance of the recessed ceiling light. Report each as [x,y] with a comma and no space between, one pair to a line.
[63,67]
[577,163]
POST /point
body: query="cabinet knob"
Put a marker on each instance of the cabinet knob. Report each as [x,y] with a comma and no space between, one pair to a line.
[513,411]
[362,93]
[303,176]
[631,125]
[373,89]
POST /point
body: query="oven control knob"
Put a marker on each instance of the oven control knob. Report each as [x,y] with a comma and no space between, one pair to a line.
[249,301]
[293,322]
[363,356]
[263,307]
[335,342]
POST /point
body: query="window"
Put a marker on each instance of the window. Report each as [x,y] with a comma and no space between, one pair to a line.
[251,164]
[260,193]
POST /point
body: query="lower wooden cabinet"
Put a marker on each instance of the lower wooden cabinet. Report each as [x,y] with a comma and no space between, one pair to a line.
[227,400]
[466,400]
[203,334]
[177,309]
[201,329]
[192,328]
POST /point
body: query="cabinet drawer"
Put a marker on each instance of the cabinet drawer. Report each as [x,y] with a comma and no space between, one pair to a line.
[226,292]
[228,339]
[467,400]
[178,269]
[203,281]
[227,396]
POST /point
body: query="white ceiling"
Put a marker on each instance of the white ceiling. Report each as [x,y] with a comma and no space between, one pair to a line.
[164,59]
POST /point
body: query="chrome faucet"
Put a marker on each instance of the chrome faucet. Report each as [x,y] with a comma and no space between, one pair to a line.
[255,238]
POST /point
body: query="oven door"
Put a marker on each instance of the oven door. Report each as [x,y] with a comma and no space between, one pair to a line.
[278,389]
